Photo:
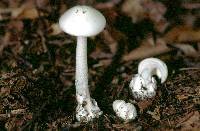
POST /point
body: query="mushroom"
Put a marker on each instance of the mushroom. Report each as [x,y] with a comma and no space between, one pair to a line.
[83,21]
[143,85]
[125,111]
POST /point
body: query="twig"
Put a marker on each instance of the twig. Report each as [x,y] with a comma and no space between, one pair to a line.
[189,68]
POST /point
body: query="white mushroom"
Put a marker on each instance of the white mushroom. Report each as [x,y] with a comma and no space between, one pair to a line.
[143,85]
[83,21]
[125,111]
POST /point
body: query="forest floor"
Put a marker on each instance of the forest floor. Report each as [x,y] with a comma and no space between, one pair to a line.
[37,73]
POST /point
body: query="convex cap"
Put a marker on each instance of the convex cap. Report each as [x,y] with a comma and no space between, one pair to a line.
[82,21]
[156,66]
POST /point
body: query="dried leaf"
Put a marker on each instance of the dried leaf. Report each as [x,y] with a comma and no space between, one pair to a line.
[140,9]
[98,54]
[182,97]
[155,10]
[187,49]
[147,50]
[26,11]
[10,13]
[109,4]
[161,25]
[134,9]
[5,42]
[29,13]
[112,43]
[105,62]
[175,35]
[42,3]
[182,34]
[55,29]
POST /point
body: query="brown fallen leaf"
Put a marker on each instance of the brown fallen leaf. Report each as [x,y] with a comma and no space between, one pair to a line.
[147,50]
[146,9]
[12,3]
[182,97]
[109,4]
[12,37]
[9,13]
[156,10]
[134,9]
[175,37]
[5,42]
[54,29]
[187,49]
[180,34]
[26,11]
[161,25]
[98,54]
[110,41]
[103,62]
[111,38]
[42,3]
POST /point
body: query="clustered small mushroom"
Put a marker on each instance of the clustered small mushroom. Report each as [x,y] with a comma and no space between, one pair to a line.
[83,21]
[143,85]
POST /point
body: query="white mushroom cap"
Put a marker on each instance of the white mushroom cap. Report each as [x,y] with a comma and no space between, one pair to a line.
[126,111]
[82,21]
[155,65]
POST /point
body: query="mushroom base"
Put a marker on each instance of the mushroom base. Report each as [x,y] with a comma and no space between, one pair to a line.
[87,110]
[143,88]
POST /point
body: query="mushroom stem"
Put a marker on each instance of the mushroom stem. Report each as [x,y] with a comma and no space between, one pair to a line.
[81,65]
[147,74]
[87,108]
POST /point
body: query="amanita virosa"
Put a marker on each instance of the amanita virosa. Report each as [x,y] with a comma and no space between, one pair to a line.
[83,21]
[143,85]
